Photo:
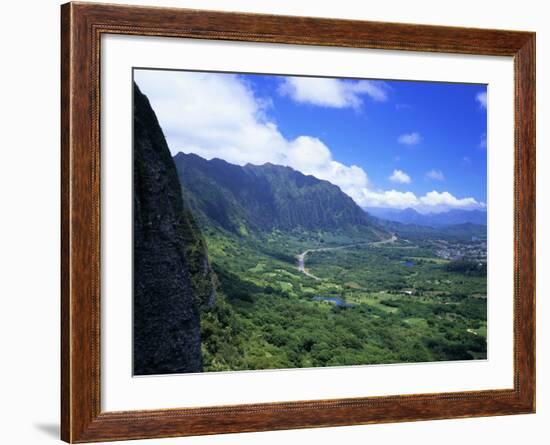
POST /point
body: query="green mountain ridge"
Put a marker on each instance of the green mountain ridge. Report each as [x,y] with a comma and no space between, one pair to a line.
[263,198]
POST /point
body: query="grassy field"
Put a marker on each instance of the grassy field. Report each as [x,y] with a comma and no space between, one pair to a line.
[389,303]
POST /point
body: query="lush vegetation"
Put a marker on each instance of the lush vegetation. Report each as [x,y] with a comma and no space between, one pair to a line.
[365,296]
[401,304]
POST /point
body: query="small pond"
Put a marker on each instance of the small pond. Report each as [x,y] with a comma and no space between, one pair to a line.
[337,301]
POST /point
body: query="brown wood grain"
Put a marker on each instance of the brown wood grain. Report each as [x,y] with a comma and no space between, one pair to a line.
[82,25]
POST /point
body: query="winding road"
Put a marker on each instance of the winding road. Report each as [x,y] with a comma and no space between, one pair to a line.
[302,256]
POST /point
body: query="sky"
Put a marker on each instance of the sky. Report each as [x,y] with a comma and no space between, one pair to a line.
[385,143]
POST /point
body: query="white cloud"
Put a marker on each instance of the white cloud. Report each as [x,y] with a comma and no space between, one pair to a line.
[482,99]
[216,115]
[410,138]
[400,177]
[431,202]
[436,175]
[312,157]
[209,114]
[334,93]
[483,141]
[388,198]
[445,200]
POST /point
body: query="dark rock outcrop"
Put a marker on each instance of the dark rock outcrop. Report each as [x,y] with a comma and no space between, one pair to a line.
[172,276]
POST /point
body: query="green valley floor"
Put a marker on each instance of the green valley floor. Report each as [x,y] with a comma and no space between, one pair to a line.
[347,301]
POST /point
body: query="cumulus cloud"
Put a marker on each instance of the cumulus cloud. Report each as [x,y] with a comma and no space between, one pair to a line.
[388,198]
[410,138]
[216,115]
[400,177]
[436,175]
[444,200]
[482,99]
[333,93]
[483,141]
[431,202]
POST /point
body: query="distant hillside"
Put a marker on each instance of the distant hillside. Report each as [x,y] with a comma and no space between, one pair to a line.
[457,232]
[411,216]
[248,198]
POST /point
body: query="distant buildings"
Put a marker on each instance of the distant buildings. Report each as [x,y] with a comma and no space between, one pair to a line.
[476,250]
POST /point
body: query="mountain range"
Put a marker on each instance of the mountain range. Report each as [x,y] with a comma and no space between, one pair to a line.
[248,198]
[448,218]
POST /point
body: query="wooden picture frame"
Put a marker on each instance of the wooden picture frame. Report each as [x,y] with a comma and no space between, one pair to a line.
[82,26]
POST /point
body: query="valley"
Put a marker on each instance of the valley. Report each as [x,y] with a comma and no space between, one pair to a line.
[305,278]
[302,256]
[252,267]
[370,303]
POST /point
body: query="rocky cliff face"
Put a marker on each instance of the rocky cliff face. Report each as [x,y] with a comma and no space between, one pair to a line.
[172,276]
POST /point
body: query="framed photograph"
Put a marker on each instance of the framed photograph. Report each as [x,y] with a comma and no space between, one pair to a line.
[274,222]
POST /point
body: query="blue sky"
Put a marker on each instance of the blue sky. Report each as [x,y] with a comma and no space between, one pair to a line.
[385,143]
